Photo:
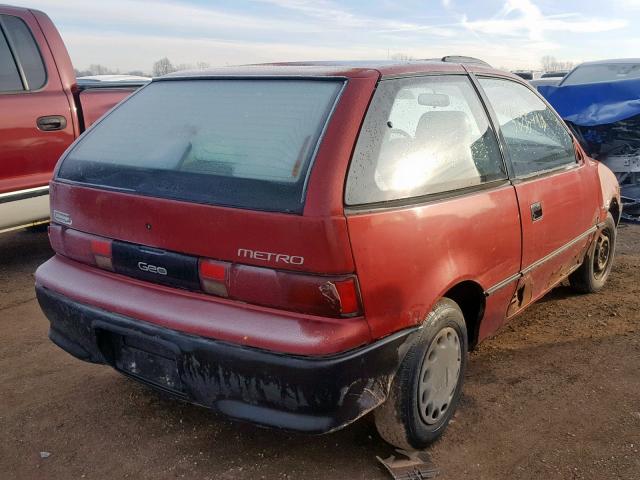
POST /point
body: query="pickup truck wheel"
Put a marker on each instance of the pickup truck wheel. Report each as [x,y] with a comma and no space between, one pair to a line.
[427,387]
[596,267]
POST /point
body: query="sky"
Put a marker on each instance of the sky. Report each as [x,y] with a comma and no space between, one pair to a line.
[132,34]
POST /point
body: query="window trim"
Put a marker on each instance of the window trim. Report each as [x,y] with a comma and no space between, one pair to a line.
[402,76]
[545,173]
[16,59]
[494,118]
[429,197]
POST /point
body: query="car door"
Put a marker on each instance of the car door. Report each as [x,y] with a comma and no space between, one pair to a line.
[557,208]
[35,125]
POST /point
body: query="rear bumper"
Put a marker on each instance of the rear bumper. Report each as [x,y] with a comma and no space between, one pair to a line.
[203,315]
[294,392]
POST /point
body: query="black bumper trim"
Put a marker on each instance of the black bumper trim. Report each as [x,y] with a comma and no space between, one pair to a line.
[293,392]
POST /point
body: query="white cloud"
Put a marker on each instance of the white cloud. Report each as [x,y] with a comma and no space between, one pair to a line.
[107,48]
[523,17]
[162,14]
[132,34]
[628,4]
[332,15]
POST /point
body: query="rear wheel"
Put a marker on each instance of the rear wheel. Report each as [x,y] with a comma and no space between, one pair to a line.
[427,387]
[596,267]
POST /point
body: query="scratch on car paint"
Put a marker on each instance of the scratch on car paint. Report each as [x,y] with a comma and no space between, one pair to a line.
[375,395]
[370,392]
[330,292]
[249,389]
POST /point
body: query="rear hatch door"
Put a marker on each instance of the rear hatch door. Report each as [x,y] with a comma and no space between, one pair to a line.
[214,168]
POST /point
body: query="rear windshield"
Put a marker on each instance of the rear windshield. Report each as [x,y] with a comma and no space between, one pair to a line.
[602,73]
[242,143]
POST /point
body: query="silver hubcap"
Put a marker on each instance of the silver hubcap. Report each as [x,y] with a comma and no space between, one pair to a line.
[602,253]
[439,375]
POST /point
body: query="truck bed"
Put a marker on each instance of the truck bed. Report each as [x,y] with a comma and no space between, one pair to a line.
[96,98]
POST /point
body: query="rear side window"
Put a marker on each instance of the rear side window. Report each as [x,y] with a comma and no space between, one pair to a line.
[9,76]
[423,136]
[245,143]
[537,140]
[26,50]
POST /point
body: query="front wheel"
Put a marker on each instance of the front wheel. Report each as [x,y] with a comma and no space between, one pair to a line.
[426,390]
[596,266]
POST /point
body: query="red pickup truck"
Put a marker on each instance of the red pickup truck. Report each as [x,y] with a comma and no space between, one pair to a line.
[48,111]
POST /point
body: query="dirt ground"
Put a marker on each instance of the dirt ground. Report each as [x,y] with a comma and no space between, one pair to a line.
[556,394]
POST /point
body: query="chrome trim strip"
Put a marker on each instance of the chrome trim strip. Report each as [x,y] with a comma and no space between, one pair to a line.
[24,194]
[26,225]
[537,263]
[502,284]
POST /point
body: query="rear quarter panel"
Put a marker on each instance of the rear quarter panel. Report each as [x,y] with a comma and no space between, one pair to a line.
[409,258]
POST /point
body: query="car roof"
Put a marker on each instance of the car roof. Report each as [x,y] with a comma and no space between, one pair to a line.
[545,81]
[15,8]
[611,61]
[338,68]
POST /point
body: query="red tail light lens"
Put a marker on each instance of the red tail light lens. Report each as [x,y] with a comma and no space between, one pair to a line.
[348,294]
[82,247]
[101,247]
[311,294]
[213,277]
[102,253]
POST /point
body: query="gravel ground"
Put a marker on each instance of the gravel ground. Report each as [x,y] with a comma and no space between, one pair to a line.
[556,394]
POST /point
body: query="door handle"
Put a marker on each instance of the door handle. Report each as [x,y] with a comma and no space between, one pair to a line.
[536,211]
[51,123]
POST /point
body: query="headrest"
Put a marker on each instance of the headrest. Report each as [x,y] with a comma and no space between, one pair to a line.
[444,125]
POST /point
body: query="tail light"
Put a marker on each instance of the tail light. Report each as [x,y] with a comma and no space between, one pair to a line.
[312,294]
[101,250]
[213,277]
[82,247]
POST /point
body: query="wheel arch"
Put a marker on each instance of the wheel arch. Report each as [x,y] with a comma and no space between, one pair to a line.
[610,191]
[470,297]
[614,209]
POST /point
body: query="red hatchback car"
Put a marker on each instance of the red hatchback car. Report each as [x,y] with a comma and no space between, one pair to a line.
[298,245]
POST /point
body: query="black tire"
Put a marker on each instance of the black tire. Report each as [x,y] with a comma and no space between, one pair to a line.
[400,421]
[595,269]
